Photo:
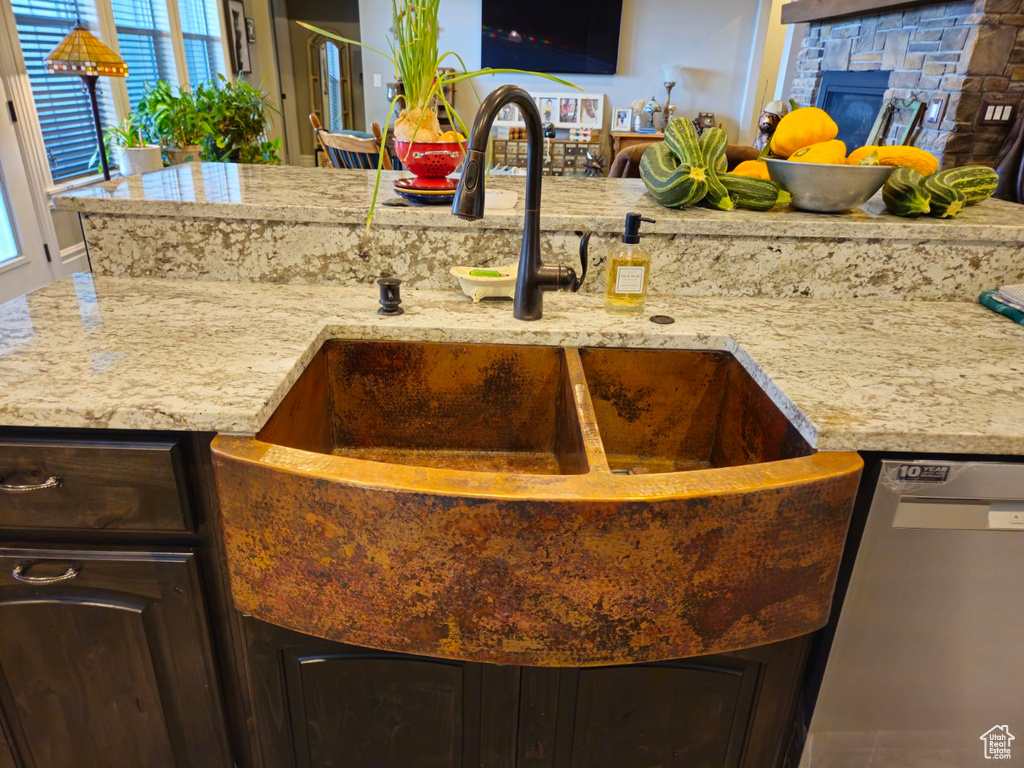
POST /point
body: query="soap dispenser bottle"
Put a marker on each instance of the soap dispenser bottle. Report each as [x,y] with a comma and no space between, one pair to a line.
[629,266]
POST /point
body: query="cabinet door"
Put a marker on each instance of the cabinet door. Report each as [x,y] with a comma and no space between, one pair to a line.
[319,703]
[105,660]
[714,711]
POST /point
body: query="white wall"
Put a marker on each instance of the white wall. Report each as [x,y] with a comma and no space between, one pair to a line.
[713,41]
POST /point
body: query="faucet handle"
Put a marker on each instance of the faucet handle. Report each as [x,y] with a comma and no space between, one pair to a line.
[584,245]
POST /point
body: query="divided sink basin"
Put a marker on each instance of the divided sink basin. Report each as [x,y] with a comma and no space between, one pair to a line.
[533,505]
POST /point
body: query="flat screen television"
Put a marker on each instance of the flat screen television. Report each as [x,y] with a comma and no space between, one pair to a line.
[559,36]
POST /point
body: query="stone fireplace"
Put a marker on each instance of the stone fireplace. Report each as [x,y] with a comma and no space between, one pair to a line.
[969,53]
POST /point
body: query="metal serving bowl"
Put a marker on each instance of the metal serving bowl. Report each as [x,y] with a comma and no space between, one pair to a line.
[828,188]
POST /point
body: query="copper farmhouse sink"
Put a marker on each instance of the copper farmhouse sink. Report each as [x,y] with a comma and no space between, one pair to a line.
[533,505]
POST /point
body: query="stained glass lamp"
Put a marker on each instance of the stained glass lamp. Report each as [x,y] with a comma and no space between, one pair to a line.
[83,54]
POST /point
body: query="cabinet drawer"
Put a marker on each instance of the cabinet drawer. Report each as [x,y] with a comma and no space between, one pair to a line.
[108,485]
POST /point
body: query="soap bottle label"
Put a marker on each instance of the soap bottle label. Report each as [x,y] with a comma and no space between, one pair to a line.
[629,280]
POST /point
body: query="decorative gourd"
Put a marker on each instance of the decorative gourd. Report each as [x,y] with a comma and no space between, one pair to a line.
[946,201]
[755,169]
[712,144]
[681,137]
[977,182]
[824,152]
[871,160]
[921,161]
[860,153]
[747,192]
[904,195]
[671,183]
[801,128]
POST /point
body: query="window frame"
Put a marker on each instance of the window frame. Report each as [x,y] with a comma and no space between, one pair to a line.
[19,90]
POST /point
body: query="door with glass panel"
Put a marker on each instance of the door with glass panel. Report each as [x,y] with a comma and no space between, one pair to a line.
[23,265]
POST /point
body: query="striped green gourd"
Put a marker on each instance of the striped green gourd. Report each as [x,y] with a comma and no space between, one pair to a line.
[681,137]
[672,183]
[712,145]
[904,193]
[977,182]
[946,201]
[755,194]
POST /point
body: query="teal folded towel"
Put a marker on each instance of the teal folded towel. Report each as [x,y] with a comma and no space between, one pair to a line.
[990,300]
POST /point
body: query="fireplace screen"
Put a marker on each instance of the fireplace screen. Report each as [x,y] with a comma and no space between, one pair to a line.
[853,99]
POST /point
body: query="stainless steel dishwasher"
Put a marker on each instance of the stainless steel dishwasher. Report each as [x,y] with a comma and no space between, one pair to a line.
[927,664]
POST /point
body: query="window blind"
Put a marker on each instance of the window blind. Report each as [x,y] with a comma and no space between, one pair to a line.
[63,108]
[200,28]
[144,40]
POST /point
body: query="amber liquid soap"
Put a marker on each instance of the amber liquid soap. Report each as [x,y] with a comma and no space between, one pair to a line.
[628,272]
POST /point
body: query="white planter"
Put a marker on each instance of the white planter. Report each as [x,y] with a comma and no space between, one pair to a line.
[187,154]
[132,160]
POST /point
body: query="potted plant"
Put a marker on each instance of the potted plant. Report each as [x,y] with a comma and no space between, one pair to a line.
[238,115]
[134,153]
[419,141]
[129,148]
[176,120]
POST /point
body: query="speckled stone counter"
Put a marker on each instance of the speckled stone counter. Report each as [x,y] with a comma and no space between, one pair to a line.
[193,355]
[307,226]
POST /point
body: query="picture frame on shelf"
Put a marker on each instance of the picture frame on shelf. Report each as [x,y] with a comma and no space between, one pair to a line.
[548,106]
[239,37]
[622,120]
[508,116]
[591,112]
[568,111]
[571,110]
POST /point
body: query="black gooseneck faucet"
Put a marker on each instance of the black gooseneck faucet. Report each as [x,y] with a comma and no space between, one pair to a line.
[534,276]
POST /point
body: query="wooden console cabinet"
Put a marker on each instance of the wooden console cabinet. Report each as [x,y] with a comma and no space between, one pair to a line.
[119,647]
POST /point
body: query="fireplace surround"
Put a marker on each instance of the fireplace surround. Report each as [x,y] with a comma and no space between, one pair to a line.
[965,52]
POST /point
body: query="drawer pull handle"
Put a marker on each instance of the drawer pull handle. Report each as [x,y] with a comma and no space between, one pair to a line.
[20,573]
[50,482]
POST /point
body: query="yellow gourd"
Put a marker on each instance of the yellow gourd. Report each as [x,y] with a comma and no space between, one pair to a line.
[824,152]
[755,169]
[801,128]
[916,159]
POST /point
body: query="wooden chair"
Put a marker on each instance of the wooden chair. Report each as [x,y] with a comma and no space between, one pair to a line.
[357,150]
[626,164]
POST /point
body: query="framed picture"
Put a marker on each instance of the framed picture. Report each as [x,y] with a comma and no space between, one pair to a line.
[548,106]
[622,120]
[591,112]
[250,30]
[571,110]
[508,116]
[239,37]
[568,111]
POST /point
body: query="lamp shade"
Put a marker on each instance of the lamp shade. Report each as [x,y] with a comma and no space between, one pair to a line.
[82,53]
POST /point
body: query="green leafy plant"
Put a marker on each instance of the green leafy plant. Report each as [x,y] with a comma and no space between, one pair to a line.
[238,113]
[415,57]
[130,134]
[175,120]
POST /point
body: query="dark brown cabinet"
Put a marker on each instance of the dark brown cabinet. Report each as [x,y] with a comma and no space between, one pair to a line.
[105,660]
[319,703]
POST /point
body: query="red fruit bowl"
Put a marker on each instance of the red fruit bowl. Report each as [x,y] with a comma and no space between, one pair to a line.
[430,159]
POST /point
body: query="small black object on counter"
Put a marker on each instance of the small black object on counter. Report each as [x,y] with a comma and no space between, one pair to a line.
[390,296]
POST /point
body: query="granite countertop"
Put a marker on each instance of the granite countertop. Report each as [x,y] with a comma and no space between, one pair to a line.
[290,193]
[176,354]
